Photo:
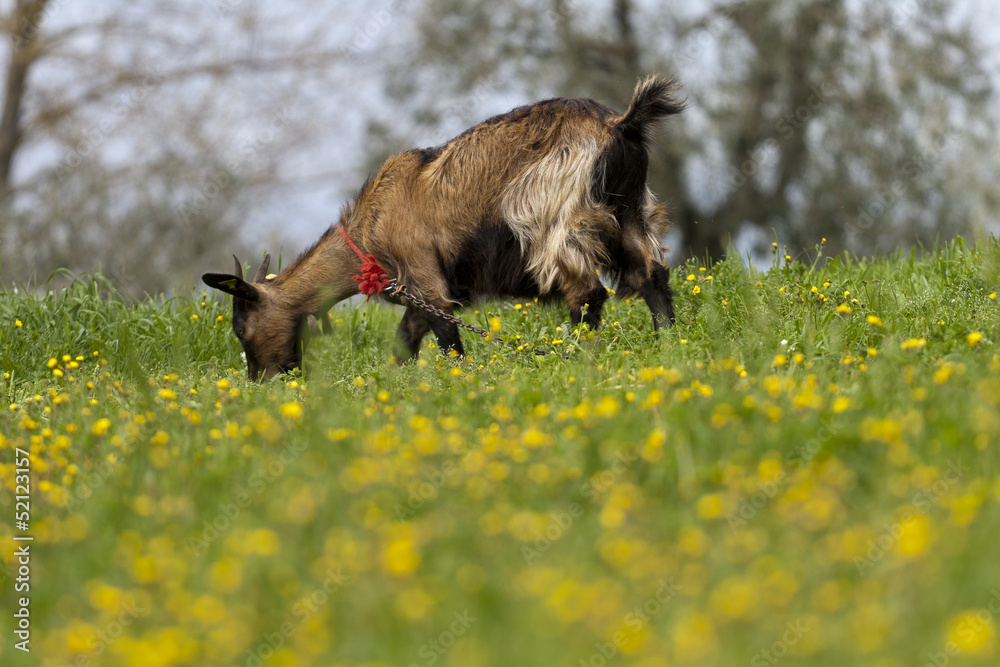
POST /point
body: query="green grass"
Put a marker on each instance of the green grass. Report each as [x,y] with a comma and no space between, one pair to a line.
[770,480]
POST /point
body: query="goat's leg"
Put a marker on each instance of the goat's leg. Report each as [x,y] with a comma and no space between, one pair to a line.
[412,329]
[593,298]
[446,333]
[655,290]
[581,290]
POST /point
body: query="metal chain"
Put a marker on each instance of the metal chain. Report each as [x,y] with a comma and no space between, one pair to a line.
[434,310]
[448,317]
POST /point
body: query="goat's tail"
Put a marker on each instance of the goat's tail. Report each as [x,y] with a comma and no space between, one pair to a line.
[654,98]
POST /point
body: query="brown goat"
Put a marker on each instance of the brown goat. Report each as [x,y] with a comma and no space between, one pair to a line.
[529,203]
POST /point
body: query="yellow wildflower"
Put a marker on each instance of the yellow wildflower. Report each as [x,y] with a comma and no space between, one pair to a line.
[292,409]
[972,631]
[101,426]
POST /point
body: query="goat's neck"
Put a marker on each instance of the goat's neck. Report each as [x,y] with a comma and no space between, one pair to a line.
[322,277]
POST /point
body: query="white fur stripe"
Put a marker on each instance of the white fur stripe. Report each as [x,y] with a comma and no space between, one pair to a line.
[551,211]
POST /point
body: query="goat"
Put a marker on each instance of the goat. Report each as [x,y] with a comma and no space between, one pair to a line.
[530,203]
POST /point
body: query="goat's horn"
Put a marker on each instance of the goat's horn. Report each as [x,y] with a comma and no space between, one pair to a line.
[262,271]
[239,267]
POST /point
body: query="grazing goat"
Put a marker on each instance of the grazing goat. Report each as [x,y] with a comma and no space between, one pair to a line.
[530,203]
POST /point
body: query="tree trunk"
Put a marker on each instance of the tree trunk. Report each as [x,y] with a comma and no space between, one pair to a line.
[23,33]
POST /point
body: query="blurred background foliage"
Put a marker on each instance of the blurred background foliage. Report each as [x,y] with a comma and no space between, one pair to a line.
[150,141]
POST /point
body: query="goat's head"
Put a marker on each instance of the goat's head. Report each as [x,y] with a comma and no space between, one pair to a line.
[267,326]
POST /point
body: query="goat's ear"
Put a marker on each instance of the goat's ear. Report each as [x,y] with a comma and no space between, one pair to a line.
[309,327]
[261,274]
[232,285]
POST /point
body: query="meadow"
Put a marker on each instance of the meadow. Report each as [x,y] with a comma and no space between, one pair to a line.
[803,470]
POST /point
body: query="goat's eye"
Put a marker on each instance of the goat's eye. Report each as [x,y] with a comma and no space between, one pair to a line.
[240,332]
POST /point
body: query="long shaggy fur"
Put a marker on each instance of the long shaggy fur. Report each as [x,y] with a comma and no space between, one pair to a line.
[532,202]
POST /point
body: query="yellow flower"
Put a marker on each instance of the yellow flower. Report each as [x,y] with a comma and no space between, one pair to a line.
[694,639]
[400,556]
[972,631]
[696,290]
[607,407]
[533,437]
[292,409]
[844,309]
[160,438]
[495,324]
[710,506]
[222,384]
[655,398]
[913,344]
[17,323]
[780,360]
[974,338]
[914,536]
[101,426]
[841,404]
[168,394]
[942,374]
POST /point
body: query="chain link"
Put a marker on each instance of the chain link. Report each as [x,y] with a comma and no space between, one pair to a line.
[396,288]
[434,310]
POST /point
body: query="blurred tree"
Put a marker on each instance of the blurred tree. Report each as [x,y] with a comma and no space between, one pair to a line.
[869,124]
[135,137]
